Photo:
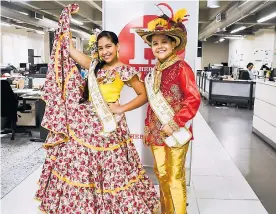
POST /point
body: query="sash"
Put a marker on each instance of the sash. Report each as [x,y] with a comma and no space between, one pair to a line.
[165,113]
[107,118]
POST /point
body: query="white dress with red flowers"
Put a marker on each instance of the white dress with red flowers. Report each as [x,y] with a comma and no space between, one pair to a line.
[86,172]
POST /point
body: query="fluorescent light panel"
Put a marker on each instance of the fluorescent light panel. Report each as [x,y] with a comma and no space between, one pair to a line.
[229,37]
[238,29]
[24,13]
[270,16]
[213,4]
[5,24]
[39,32]
[76,21]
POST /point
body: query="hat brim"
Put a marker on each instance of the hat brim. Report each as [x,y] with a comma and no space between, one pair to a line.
[178,34]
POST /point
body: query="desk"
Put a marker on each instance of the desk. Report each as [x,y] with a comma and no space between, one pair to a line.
[227,91]
[264,119]
[27,92]
[34,95]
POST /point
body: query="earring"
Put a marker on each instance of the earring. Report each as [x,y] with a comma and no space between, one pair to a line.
[118,54]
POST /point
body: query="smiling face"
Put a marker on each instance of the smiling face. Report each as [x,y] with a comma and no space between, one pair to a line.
[107,50]
[162,46]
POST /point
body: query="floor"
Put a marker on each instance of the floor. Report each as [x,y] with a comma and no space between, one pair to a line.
[217,186]
[255,159]
[19,159]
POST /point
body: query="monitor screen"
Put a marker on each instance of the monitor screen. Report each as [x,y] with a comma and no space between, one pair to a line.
[216,71]
[42,65]
[273,74]
[23,65]
[226,70]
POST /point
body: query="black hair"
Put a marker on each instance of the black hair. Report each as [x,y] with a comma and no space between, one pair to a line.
[114,39]
[249,64]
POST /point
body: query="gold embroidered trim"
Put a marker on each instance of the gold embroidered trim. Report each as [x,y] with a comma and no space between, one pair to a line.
[174,126]
[91,185]
[67,79]
[98,148]
[146,130]
[159,67]
[56,56]
[45,145]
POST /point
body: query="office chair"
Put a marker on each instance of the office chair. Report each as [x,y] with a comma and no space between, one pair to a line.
[244,75]
[9,108]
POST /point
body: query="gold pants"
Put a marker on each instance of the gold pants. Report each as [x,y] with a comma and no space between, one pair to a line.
[169,167]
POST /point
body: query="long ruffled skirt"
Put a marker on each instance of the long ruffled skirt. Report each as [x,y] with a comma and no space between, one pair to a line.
[79,178]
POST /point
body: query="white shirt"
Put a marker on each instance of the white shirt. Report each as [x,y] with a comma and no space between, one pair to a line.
[252,74]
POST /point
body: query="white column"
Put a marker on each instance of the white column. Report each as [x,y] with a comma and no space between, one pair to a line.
[46,47]
[274,50]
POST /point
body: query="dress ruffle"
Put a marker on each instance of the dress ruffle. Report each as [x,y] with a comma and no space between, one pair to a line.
[78,179]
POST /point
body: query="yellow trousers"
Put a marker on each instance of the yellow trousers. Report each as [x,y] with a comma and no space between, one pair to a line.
[169,167]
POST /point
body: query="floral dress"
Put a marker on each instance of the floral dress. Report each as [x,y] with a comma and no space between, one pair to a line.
[86,172]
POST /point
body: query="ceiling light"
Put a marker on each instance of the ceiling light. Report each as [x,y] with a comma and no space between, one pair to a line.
[39,32]
[270,16]
[234,37]
[76,21]
[243,3]
[5,24]
[87,35]
[238,29]
[222,39]
[24,13]
[74,30]
[213,4]
[19,26]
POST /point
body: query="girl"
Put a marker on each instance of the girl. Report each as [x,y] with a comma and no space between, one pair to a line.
[92,165]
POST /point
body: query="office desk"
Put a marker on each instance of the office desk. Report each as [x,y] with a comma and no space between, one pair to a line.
[227,91]
[264,119]
[34,95]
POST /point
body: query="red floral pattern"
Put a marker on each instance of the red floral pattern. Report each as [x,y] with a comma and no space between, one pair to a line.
[86,172]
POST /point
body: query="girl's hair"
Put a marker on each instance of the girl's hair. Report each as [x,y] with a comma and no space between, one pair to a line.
[114,39]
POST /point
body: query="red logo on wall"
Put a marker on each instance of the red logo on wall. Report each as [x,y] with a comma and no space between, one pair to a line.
[133,50]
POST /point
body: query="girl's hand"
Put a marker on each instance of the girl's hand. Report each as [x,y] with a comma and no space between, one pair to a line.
[116,108]
[168,130]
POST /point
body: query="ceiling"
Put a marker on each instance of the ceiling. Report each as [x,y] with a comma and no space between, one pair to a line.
[19,13]
[241,16]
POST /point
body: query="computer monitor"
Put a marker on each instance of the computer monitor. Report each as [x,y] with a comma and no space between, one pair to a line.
[272,75]
[226,70]
[41,65]
[23,65]
[216,71]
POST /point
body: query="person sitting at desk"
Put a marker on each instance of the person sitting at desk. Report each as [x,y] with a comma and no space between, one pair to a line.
[252,73]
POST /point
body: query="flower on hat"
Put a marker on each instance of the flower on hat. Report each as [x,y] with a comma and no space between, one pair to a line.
[180,15]
[158,24]
[92,40]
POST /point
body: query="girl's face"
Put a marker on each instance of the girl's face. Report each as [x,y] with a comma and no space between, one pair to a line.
[107,50]
[162,47]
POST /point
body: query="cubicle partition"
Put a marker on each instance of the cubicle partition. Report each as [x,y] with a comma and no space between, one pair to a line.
[227,91]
